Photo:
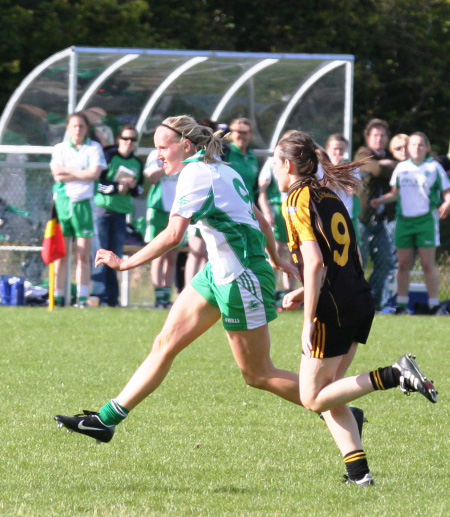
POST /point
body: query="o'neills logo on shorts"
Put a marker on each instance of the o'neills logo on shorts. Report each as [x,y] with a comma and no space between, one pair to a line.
[232,320]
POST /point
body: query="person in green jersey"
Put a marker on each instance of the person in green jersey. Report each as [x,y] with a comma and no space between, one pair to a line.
[240,155]
[236,285]
[121,181]
[417,185]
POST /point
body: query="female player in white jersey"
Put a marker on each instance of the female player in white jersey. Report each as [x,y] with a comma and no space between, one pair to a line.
[417,185]
[236,284]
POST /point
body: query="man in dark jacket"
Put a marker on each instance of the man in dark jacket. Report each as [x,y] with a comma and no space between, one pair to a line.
[377,225]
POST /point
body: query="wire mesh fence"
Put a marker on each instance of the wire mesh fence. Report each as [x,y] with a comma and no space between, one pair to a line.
[25,199]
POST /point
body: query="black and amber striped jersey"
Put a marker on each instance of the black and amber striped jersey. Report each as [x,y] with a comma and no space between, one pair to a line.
[318,214]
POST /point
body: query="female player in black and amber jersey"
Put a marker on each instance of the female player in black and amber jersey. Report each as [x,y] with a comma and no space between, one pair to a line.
[338,305]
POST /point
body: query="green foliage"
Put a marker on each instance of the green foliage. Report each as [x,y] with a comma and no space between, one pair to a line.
[401,47]
[203,443]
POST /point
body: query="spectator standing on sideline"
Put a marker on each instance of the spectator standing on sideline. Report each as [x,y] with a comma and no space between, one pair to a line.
[121,181]
[375,242]
[75,165]
[159,203]
[417,185]
[336,147]
[398,146]
[241,157]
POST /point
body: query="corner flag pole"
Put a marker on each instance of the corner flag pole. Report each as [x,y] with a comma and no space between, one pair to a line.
[51,286]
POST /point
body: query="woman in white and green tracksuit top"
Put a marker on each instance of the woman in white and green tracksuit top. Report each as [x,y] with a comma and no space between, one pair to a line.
[418,185]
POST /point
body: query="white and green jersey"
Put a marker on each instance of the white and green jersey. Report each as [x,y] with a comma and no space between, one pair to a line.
[274,196]
[88,155]
[215,197]
[351,201]
[160,195]
[419,186]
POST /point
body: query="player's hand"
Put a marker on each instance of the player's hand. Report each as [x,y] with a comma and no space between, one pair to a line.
[387,162]
[444,210]
[293,300]
[129,183]
[63,176]
[108,258]
[307,337]
[375,203]
[287,267]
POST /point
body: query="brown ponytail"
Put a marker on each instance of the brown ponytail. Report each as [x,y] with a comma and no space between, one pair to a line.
[299,148]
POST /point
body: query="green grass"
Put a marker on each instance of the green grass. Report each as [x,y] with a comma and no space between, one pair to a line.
[204,443]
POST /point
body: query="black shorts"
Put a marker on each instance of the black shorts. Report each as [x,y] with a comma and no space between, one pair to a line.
[331,340]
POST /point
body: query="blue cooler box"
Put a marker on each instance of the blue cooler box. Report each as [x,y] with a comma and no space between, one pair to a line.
[418,295]
[5,290]
[12,290]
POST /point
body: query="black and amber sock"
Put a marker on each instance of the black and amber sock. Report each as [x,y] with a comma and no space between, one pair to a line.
[356,464]
[385,378]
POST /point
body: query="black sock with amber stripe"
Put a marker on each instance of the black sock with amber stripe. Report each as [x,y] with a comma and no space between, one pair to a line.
[385,378]
[356,464]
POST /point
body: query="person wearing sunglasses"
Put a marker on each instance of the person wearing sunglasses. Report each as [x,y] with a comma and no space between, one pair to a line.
[121,181]
[399,147]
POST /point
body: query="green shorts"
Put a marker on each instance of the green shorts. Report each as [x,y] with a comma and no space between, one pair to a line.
[417,232]
[76,218]
[245,303]
[279,227]
[157,221]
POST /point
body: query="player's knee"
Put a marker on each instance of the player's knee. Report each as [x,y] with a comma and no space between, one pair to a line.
[84,259]
[254,380]
[427,268]
[163,345]
[403,266]
[309,401]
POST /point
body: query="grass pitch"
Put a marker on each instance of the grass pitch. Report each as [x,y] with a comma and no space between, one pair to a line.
[204,443]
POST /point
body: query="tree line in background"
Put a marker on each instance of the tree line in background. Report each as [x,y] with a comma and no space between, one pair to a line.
[401,47]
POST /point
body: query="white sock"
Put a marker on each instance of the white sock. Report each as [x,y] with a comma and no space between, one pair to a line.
[433,302]
[82,291]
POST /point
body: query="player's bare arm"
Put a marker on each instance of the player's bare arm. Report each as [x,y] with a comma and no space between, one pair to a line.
[162,243]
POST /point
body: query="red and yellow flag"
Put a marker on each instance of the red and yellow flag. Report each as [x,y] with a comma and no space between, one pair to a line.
[53,244]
